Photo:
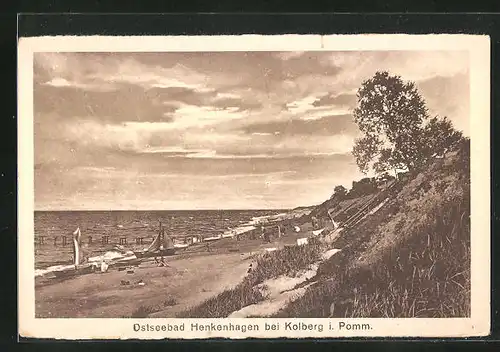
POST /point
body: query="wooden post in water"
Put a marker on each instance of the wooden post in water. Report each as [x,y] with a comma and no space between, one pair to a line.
[123,240]
[64,240]
[90,240]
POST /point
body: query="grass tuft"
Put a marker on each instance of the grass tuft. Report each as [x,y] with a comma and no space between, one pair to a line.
[143,312]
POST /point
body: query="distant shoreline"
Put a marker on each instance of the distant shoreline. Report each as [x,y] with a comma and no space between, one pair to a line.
[165,210]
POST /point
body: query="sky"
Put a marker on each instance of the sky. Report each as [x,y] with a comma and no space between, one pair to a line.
[213,130]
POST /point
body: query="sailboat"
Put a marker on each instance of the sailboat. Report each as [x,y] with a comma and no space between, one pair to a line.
[78,266]
[162,245]
[118,257]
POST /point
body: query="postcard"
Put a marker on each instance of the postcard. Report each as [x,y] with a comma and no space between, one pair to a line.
[254,186]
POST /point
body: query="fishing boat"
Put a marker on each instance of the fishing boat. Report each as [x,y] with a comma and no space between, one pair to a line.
[81,266]
[75,270]
[162,245]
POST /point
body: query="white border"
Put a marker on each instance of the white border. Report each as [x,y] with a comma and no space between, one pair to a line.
[478,46]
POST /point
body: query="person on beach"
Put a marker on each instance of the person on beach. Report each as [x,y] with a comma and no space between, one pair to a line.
[267,237]
[314,223]
[162,262]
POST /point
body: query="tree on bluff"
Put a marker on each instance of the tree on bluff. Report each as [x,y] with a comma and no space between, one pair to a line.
[339,192]
[397,130]
[440,135]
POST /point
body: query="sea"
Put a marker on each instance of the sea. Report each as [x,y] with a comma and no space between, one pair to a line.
[126,228]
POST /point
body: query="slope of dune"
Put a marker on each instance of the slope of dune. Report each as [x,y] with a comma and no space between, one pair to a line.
[407,254]
[409,259]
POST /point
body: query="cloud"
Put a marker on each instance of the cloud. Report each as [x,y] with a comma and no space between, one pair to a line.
[179,76]
[173,151]
[343,100]
[328,125]
[302,105]
[199,116]
[175,189]
[119,68]
[127,103]
[110,127]
[411,65]
[212,154]
[240,104]
[62,82]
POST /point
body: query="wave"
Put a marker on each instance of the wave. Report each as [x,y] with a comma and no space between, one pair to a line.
[108,257]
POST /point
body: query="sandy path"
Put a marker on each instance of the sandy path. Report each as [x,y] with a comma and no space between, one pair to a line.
[281,290]
[187,281]
[278,292]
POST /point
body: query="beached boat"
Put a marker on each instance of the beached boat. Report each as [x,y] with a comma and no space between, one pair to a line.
[82,266]
[75,270]
[162,245]
[125,262]
[159,253]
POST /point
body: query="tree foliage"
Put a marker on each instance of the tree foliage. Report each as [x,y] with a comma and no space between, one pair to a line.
[440,135]
[397,130]
[390,114]
[340,191]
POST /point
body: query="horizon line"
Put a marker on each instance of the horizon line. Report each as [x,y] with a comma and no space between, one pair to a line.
[207,209]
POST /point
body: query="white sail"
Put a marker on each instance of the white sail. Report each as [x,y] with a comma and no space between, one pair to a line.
[76,246]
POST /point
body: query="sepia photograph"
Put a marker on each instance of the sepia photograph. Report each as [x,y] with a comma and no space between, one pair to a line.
[178,191]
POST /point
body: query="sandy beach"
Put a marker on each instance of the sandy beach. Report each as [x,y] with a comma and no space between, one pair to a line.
[190,278]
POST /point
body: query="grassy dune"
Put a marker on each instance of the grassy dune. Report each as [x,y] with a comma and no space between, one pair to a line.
[409,259]
[412,259]
[288,260]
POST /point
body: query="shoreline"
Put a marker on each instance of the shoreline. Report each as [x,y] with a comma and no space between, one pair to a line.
[241,230]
